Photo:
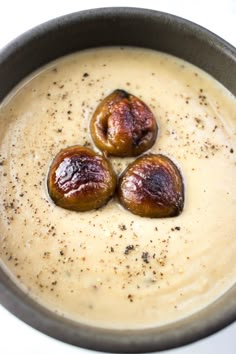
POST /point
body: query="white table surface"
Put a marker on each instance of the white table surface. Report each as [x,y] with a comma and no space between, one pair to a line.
[17,16]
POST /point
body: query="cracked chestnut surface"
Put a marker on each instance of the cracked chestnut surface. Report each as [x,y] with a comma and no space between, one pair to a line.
[123,125]
[152,186]
[80,180]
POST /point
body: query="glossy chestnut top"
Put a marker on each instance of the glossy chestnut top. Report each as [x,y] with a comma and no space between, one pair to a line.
[152,186]
[123,125]
[80,180]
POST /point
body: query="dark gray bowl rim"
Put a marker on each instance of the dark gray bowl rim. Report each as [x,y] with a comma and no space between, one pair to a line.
[202,324]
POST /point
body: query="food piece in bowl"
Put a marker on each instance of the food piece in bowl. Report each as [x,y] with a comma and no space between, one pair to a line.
[152,186]
[80,180]
[123,125]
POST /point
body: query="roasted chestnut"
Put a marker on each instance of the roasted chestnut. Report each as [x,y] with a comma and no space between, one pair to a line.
[123,125]
[81,180]
[152,186]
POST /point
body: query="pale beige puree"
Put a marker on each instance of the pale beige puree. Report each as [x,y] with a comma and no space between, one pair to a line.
[79,264]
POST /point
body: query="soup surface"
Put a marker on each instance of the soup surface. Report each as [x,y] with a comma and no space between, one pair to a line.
[108,267]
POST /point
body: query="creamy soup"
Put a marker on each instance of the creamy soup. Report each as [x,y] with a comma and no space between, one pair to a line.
[108,267]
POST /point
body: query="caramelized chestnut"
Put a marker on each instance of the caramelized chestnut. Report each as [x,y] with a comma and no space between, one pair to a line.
[80,180]
[152,186]
[123,125]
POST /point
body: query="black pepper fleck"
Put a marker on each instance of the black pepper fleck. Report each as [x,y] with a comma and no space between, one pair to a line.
[128,249]
[145,257]
[122,227]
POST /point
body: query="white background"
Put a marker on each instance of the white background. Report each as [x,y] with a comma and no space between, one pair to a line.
[17,16]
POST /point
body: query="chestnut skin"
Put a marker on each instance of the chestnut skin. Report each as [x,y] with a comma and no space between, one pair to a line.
[80,180]
[152,186]
[123,125]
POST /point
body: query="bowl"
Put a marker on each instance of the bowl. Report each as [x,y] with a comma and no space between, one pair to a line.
[106,27]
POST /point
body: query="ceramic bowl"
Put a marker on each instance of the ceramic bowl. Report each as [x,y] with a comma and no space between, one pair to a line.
[106,27]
